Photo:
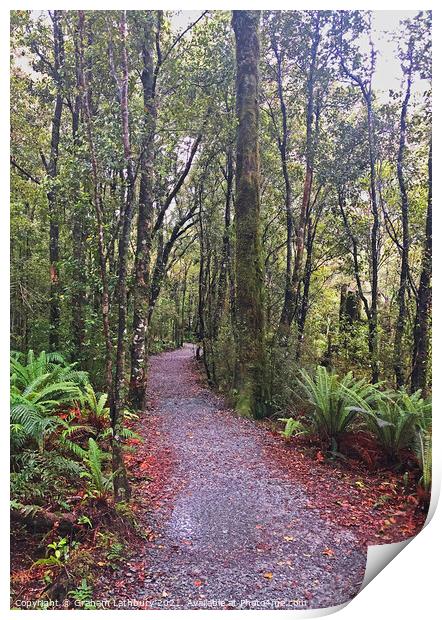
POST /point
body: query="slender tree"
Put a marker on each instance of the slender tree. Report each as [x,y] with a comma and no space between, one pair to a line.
[121,485]
[405,246]
[51,166]
[365,84]
[97,201]
[421,347]
[294,272]
[137,390]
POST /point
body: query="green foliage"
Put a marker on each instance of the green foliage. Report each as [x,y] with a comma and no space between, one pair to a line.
[332,400]
[395,418]
[94,407]
[99,484]
[44,369]
[84,520]
[115,553]
[111,546]
[57,553]
[393,427]
[41,477]
[82,595]
[41,386]
[423,451]
[415,404]
[292,428]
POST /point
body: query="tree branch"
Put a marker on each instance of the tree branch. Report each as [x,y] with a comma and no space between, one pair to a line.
[24,172]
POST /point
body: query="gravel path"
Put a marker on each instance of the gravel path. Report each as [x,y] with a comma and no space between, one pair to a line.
[234,530]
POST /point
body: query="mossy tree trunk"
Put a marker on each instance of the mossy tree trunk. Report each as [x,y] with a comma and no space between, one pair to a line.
[249,324]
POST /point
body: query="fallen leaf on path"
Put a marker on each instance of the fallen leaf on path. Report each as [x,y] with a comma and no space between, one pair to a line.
[268,575]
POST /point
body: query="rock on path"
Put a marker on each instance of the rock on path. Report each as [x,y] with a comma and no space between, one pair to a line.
[234,531]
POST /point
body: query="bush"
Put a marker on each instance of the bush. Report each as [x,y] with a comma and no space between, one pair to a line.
[40,388]
[292,428]
[334,401]
[395,418]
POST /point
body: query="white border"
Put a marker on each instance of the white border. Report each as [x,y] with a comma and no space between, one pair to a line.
[408,586]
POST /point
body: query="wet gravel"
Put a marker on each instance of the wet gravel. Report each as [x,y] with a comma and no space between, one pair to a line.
[234,530]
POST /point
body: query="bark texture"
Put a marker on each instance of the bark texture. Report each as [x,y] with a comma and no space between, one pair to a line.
[137,390]
[121,485]
[249,324]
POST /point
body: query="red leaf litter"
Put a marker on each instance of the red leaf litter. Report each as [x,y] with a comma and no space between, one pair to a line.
[375,504]
[224,500]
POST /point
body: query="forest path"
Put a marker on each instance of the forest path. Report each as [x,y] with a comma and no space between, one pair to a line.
[234,530]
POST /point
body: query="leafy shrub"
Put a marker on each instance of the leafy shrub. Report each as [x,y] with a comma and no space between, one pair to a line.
[292,428]
[40,387]
[395,418]
[39,478]
[332,401]
[99,484]
[414,403]
[82,595]
[94,407]
[57,554]
[47,368]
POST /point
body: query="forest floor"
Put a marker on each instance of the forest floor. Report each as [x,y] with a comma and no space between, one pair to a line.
[239,518]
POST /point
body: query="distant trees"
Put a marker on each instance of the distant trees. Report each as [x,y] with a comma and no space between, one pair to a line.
[161,230]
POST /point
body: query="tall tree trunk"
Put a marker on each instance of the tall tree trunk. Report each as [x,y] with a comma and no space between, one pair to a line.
[372,313]
[52,170]
[293,280]
[121,485]
[98,206]
[79,233]
[419,375]
[226,267]
[203,295]
[400,326]
[283,148]
[249,332]
[373,343]
[311,234]
[138,378]
[355,256]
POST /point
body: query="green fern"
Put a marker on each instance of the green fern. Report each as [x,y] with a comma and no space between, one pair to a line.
[423,453]
[292,428]
[395,418]
[99,484]
[49,367]
[332,400]
[94,405]
[40,387]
